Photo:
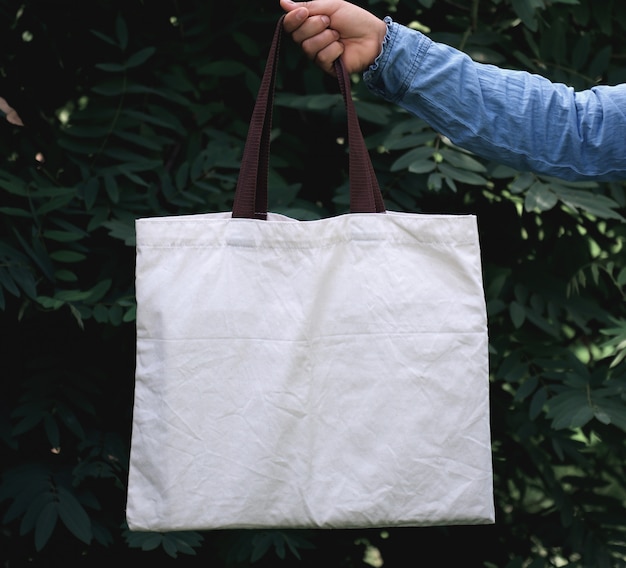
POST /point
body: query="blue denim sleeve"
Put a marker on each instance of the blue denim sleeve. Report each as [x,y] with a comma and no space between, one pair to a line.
[512,117]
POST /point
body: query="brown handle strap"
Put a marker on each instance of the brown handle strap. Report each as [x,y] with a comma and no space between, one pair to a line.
[251,192]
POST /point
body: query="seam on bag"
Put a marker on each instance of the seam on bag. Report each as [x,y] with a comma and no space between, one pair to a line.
[296,246]
[312,339]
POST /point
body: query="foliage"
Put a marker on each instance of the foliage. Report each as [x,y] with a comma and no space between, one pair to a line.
[142,110]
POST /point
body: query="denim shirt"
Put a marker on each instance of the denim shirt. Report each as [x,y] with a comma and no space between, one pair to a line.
[512,117]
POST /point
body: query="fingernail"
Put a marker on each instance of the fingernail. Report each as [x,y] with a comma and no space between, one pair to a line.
[301,15]
[326,20]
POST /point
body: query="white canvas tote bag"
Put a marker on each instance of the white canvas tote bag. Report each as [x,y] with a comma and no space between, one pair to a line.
[309,374]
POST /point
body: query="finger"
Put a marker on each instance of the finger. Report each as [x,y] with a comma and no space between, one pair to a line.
[325,58]
[293,20]
[315,7]
[288,5]
[313,26]
[315,44]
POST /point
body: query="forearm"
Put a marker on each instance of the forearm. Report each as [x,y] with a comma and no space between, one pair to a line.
[512,117]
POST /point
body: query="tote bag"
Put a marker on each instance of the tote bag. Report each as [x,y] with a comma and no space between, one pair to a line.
[309,374]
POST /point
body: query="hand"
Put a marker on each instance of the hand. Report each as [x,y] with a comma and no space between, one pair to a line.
[328,29]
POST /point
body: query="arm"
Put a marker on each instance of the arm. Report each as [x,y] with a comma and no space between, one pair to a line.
[513,117]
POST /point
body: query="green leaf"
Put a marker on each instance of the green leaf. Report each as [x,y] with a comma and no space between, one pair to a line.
[97,292]
[15,212]
[130,314]
[55,204]
[463,176]
[66,276]
[527,388]
[500,171]
[525,9]
[101,313]
[540,197]
[35,507]
[261,543]
[602,416]
[46,521]
[581,417]
[111,187]
[463,161]
[568,408]
[183,542]
[279,545]
[172,542]
[13,184]
[538,402]
[71,295]
[513,369]
[435,181]
[522,182]
[121,32]
[169,546]
[403,141]
[593,203]
[140,57]
[62,236]
[111,67]
[77,315]
[90,192]
[22,484]
[116,87]
[25,279]
[619,357]
[50,303]
[37,255]
[422,166]
[67,256]
[517,313]
[151,541]
[121,230]
[115,315]
[412,156]
[74,516]
[104,37]
[7,282]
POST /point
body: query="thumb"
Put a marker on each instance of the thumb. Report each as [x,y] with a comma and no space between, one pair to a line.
[314,7]
[290,5]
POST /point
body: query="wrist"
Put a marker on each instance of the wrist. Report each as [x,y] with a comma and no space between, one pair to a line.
[383,38]
[382,32]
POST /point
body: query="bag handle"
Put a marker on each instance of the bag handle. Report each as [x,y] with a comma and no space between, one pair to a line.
[251,191]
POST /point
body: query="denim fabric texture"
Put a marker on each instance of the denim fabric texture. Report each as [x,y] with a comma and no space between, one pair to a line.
[512,117]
